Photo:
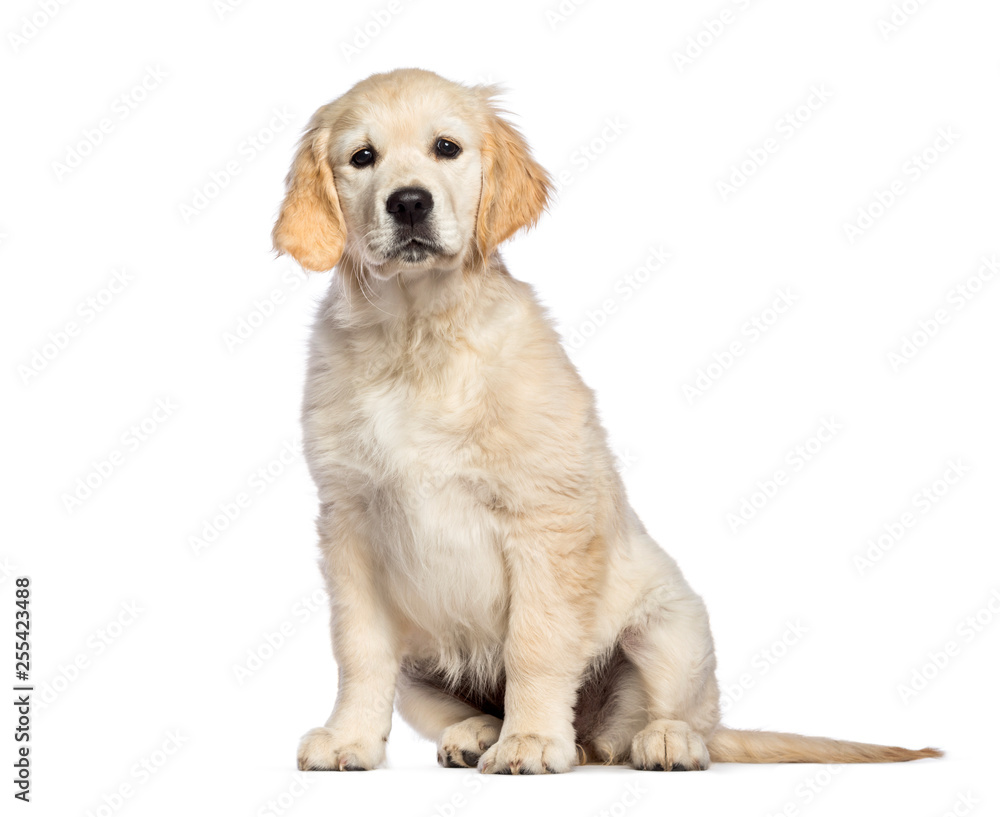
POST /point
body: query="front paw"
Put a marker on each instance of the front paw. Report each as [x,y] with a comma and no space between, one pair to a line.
[322,749]
[529,754]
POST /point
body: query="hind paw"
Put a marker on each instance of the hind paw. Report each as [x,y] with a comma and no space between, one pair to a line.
[462,744]
[670,746]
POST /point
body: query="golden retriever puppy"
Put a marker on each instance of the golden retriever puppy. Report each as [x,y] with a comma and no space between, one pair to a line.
[485,569]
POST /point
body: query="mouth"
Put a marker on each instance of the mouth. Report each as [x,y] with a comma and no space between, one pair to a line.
[413,250]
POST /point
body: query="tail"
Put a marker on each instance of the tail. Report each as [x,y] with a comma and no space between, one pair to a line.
[739,746]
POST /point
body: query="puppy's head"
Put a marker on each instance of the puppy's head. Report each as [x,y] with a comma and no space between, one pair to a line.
[407,172]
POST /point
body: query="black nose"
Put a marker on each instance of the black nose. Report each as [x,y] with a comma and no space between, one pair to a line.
[410,205]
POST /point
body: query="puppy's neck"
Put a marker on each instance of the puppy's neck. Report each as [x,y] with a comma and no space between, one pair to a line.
[434,298]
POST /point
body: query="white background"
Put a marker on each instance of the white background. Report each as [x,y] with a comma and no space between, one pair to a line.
[195,660]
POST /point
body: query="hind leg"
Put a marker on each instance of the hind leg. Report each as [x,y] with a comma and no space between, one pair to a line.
[609,717]
[461,731]
[675,662]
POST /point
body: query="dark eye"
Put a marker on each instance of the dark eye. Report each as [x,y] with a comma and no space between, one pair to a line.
[446,149]
[363,157]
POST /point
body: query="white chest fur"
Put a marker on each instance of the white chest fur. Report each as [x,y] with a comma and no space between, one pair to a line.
[406,449]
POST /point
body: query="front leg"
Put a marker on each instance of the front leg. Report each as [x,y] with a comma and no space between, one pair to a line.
[366,647]
[551,568]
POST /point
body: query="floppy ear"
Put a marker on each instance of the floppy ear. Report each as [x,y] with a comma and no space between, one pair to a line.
[310,226]
[515,187]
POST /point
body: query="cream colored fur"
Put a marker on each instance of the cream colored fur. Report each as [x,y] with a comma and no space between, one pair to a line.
[477,543]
